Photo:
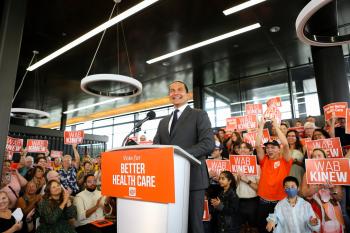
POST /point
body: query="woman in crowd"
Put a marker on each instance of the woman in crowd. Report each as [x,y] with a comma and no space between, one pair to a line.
[29,199]
[284,127]
[8,223]
[39,178]
[55,210]
[221,136]
[247,187]
[324,200]
[12,182]
[226,205]
[297,153]
[320,134]
[234,142]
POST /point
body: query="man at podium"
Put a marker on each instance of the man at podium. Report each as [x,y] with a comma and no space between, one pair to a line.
[191,130]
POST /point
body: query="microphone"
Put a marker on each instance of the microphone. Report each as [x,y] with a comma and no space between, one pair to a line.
[150,116]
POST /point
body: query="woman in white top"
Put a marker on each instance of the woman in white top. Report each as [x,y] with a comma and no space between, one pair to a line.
[247,187]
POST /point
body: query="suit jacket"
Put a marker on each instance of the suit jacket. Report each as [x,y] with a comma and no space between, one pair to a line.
[194,134]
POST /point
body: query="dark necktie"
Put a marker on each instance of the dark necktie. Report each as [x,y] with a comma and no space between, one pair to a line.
[173,123]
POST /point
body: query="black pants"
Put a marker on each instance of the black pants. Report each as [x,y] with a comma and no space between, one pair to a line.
[265,208]
[195,211]
[248,207]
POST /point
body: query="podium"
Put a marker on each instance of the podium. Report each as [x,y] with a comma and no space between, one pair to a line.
[135,216]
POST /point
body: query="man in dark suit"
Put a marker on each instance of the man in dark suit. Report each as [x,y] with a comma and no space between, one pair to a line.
[191,130]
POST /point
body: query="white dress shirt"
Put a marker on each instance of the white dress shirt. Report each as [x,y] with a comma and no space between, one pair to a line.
[181,109]
[84,201]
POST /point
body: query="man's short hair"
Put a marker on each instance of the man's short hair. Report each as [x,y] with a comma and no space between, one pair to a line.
[87,176]
[178,81]
[291,179]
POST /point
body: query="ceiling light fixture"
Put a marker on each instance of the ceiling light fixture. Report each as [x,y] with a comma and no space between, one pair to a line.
[92,105]
[93,32]
[111,85]
[316,40]
[242,6]
[206,42]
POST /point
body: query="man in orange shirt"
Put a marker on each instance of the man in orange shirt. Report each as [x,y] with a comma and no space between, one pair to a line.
[275,166]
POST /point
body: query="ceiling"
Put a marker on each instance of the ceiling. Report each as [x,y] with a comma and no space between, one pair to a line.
[161,28]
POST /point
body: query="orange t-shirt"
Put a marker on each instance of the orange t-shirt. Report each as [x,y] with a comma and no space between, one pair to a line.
[273,173]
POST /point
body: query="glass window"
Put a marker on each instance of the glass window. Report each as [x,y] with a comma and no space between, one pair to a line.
[103,122]
[107,131]
[124,119]
[305,95]
[149,128]
[85,125]
[120,131]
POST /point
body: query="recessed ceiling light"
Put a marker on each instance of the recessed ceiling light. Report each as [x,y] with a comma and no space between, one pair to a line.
[93,32]
[206,42]
[242,6]
[275,29]
[165,63]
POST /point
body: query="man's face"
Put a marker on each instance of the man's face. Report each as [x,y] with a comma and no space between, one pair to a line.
[177,94]
[29,162]
[90,182]
[272,151]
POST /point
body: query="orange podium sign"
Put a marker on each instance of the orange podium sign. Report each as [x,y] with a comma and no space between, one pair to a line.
[145,174]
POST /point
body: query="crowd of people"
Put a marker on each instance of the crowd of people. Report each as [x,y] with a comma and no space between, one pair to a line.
[58,195]
[278,198]
[63,194]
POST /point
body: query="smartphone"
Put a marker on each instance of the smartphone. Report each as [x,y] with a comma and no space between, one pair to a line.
[14,166]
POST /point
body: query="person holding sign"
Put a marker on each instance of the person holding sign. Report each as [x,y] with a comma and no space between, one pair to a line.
[275,166]
[324,199]
[293,213]
[68,172]
[247,187]
[191,130]
[297,153]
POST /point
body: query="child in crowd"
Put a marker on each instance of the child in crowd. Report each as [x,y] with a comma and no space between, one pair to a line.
[293,214]
[226,205]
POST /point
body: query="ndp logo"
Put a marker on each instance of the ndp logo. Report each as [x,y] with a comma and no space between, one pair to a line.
[132,191]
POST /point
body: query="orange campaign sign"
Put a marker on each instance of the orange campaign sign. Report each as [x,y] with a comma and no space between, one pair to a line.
[250,137]
[73,137]
[275,101]
[300,130]
[37,146]
[273,112]
[328,171]
[331,146]
[14,144]
[145,175]
[304,140]
[337,109]
[246,164]
[253,109]
[206,214]
[347,120]
[242,123]
[215,167]
[56,154]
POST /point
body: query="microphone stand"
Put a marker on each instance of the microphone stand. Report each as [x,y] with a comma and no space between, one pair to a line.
[133,131]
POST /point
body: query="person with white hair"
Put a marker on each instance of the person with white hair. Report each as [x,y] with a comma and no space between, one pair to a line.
[309,128]
[28,164]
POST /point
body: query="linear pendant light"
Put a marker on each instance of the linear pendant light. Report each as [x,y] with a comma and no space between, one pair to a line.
[93,32]
[242,6]
[206,42]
